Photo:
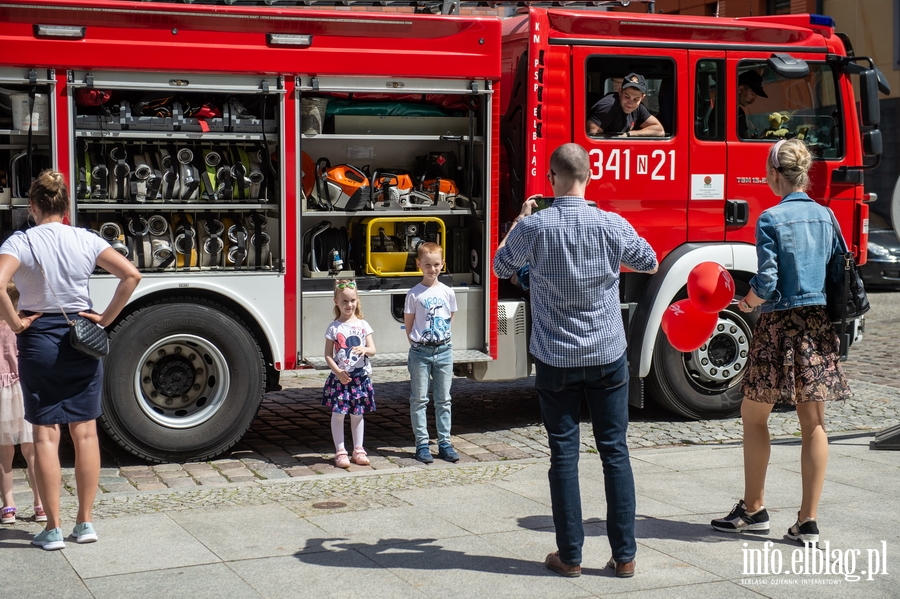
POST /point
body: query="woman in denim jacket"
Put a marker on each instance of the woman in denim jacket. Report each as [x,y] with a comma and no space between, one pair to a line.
[794,353]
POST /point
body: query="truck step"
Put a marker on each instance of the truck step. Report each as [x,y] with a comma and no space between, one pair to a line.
[399,359]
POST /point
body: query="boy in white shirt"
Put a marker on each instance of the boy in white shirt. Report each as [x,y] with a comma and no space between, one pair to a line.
[428,312]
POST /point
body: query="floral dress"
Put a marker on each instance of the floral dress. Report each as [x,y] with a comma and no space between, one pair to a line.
[358,396]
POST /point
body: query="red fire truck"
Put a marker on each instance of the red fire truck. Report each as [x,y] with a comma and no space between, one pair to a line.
[244,157]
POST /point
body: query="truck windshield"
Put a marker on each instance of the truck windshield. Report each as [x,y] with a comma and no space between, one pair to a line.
[806,109]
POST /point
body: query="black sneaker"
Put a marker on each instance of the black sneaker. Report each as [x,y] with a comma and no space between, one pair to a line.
[740,521]
[808,532]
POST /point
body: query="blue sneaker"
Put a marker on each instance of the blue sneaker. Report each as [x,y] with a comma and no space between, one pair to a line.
[84,533]
[447,453]
[49,539]
[423,454]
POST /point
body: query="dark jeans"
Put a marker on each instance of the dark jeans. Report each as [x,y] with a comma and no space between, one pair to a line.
[561,391]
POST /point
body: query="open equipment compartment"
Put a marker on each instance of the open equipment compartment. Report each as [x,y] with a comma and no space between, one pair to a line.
[379,177]
[180,180]
[25,96]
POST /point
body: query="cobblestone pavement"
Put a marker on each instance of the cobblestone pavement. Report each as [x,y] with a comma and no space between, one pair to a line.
[493,423]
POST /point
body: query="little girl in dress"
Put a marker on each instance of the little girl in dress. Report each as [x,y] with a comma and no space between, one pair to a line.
[348,390]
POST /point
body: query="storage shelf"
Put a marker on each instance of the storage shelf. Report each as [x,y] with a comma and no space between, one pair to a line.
[182,206]
[24,133]
[379,213]
[379,137]
[174,135]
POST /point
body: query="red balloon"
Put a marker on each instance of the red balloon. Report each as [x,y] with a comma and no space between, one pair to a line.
[686,327]
[710,287]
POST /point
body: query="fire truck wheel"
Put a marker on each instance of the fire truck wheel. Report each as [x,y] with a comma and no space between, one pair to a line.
[183,381]
[705,383]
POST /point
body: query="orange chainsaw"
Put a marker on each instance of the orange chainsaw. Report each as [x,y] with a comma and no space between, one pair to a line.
[341,187]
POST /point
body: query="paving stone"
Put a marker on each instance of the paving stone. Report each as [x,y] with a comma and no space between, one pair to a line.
[299,471]
[117,487]
[150,486]
[229,465]
[180,482]
[168,468]
[173,475]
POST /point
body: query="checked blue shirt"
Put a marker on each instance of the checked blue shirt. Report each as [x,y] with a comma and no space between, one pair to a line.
[575,251]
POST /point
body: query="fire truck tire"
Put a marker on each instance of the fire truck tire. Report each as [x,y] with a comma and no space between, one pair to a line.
[183,381]
[705,383]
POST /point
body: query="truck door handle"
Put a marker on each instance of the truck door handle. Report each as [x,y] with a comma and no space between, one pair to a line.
[737,212]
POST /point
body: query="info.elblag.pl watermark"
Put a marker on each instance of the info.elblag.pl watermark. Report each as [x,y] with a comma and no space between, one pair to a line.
[813,564]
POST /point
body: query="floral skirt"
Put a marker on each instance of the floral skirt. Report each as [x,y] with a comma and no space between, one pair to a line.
[356,397]
[794,359]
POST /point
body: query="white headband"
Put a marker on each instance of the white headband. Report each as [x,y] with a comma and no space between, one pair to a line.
[773,154]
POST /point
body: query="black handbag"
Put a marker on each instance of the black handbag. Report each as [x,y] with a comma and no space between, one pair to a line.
[85,335]
[845,295]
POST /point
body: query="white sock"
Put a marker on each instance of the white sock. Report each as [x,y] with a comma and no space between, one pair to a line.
[356,429]
[337,431]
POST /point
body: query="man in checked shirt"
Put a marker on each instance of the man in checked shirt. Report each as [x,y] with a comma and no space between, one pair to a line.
[578,343]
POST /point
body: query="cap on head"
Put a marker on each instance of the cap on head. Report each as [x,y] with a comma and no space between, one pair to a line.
[754,81]
[636,81]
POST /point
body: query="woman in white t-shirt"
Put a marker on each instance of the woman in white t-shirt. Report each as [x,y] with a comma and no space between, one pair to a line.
[51,263]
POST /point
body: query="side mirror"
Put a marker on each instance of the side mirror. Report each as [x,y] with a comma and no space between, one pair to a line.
[870,112]
[883,85]
[785,65]
[872,142]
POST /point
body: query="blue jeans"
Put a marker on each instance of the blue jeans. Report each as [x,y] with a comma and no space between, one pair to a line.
[436,363]
[561,391]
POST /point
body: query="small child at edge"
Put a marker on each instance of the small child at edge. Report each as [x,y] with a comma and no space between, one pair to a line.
[14,430]
[428,312]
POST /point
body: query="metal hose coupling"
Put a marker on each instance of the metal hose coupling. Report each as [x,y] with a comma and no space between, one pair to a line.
[213,227]
[162,251]
[212,158]
[185,156]
[213,245]
[233,231]
[142,171]
[236,255]
[263,240]
[99,175]
[110,231]
[118,153]
[157,224]
[139,228]
[181,242]
[119,247]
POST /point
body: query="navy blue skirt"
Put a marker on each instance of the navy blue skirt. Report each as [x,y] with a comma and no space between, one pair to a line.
[59,383]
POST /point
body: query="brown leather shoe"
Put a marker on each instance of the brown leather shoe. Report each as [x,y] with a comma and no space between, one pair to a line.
[623,569]
[554,564]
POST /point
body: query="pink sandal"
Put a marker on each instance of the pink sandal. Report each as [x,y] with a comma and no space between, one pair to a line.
[8,515]
[360,457]
[39,514]
[341,460]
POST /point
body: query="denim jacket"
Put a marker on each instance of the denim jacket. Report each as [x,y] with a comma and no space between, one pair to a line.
[794,241]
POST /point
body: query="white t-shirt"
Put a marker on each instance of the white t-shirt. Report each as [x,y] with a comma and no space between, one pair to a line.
[433,307]
[68,255]
[347,335]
